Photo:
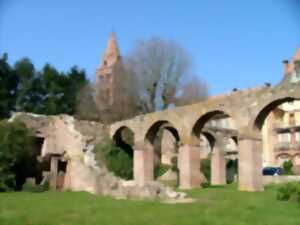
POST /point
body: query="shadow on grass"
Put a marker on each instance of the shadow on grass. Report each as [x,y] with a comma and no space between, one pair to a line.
[207,185]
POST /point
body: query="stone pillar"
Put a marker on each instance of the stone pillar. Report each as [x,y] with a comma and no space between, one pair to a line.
[189,167]
[218,166]
[250,165]
[143,165]
[53,172]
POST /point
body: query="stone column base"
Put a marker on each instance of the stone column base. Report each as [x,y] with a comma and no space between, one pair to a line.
[189,167]
[250,165]
[218,167]
[143,166]
[53,172]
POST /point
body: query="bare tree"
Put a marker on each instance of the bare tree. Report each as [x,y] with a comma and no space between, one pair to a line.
[116,96]
[86,107]
[155,75]
[158,67]
[193,91]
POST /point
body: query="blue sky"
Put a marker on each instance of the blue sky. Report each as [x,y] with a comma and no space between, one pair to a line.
[233,43]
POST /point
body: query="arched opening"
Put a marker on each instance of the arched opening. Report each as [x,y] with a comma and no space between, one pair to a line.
[265,112]
[120,158]
[124,138]
[162,140]
[279,125]
[212,120]
[207,142]
[231,159]
[218,143]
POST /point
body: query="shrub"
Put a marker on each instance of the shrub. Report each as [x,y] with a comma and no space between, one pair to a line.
[289,191]
[205,169]
[287,168]
[115,159]
[231,171]
[160,169]
[16,145]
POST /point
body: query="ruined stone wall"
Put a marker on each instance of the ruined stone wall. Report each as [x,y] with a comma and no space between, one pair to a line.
[73,141]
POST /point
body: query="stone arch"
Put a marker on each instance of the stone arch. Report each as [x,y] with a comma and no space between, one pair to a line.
[126,145]
[154,151]
[232,142]
[266,109]
[251,143]
[154,128]
[203,119]
[152,132]
[215,134]
[235,139]
[210,137]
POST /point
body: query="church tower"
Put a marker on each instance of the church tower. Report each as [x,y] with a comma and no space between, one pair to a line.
[107,74]
[112,85]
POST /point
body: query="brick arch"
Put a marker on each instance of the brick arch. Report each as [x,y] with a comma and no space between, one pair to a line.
[118,140]
[118,127]
[154,128]
[266,109]
[267,104]
[203,119]
[211,138]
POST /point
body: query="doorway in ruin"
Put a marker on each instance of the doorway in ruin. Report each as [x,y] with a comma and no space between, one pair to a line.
[61,174]
[217,136]
[162,139]
[54,170]
[30,166]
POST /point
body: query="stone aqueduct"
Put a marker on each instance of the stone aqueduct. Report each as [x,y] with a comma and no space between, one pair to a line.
[248,109]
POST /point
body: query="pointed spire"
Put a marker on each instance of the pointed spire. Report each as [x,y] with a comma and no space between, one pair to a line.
[292,64]
[112,54]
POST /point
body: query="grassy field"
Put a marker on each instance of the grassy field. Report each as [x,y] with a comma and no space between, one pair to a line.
[214,206]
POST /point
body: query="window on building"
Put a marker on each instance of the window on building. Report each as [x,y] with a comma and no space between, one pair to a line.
[284,137]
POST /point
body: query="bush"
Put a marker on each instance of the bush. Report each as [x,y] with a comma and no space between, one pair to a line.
[205,169]
[16,145]
[287,168]
[115,159]
[161,169]
[289,191]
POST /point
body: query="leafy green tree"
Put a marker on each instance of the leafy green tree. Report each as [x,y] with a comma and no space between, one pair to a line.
[58,90]
[206,169]
[16,146]
[25,71]
[8,88]
[47,91]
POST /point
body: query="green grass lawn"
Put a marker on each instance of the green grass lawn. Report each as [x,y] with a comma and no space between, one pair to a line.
[213,206]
